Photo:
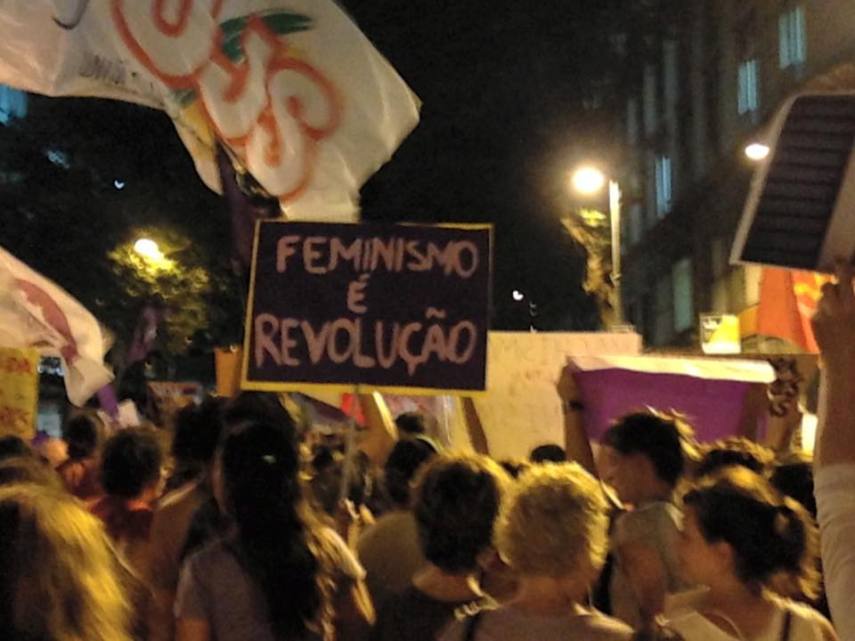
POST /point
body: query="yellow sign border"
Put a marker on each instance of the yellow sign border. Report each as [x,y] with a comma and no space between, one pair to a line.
[292,386]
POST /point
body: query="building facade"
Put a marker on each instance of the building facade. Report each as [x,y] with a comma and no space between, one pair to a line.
[706,88]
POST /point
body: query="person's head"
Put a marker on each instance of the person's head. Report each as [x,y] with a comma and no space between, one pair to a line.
[401,466]
[197,432]
[457,499]
[642,455]
[554,524]
[514,467]
[29,469]
[258,467]
[734,451]
[793,476]
[257,406]
[83,435]
[411,424]
[256,480]
[131,464]
[61,580]
[736,525]
[548,453]
[13,447]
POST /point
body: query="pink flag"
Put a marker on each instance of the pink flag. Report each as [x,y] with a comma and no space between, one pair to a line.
[35,312]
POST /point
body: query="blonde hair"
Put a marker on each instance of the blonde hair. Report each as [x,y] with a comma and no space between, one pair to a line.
[554,513]
[61,573]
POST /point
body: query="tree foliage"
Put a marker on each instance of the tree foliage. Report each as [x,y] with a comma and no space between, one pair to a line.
[81,180]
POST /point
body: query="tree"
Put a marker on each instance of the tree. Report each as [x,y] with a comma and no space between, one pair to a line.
[81,180]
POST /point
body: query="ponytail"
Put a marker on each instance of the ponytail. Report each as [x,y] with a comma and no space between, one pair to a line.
[795,551]
[773,538]
[276,543]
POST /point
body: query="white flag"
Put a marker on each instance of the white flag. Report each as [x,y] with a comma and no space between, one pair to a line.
[35,312]
[292,87]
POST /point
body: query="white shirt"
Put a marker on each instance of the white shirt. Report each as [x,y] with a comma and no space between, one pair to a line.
[834,488]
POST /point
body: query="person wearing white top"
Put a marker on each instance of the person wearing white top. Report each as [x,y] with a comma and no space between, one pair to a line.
[834,459]
[738,535]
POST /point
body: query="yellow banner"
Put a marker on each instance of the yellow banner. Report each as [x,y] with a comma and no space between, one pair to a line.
[19,391]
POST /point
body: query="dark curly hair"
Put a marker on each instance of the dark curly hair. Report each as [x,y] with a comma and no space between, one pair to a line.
[130,462]
[82,435]
[656,436]
[456,503]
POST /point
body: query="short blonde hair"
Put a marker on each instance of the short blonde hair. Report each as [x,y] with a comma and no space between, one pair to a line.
[554,513]
[61,568]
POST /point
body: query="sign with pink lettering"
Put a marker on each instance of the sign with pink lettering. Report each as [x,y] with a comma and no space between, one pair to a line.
[387,307]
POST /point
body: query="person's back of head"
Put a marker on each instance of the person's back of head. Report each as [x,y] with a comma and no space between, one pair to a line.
[514,467]
[14,446]
[457,499]
[257,406]
[410,424]
[401,466]
[734,451]
[28,469]
[61,578]
[793,476]
[655,436]
[83,435]
[548,453]
[554,523]
[198,429]
[131,463]
[769,534]
[259,464]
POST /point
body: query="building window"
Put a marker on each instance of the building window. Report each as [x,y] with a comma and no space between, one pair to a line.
[684,306]
[748,99]
[792,38]
[13,104]
[663,185]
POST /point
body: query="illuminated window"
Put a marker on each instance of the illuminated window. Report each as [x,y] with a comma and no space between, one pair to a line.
[748,97]
[792,38]
[663,185]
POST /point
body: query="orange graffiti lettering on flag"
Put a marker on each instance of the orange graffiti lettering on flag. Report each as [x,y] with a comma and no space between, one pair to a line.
[788,300]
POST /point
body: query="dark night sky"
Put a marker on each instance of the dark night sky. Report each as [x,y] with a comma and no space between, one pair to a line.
[503,86]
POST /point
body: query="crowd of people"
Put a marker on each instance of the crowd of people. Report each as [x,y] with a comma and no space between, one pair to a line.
[235,525]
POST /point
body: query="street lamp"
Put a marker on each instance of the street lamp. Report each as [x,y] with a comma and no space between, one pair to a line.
[589,180]
[757,151]
[147,248]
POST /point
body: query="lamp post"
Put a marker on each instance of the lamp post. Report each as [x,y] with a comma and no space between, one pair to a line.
[590,180]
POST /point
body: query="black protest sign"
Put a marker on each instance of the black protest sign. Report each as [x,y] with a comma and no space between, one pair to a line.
[390,307]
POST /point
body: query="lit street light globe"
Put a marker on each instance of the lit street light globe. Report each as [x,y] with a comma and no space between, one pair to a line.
[757,151]
[147,248]
[517,295]
[588,180]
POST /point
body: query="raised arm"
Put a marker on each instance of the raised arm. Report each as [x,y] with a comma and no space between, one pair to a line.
[576,442]
[381,434]
[834,326]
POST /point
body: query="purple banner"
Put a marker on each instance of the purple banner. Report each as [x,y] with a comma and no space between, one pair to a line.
[713,407]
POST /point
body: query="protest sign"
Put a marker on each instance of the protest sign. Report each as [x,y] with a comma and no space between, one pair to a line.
[389,307]
[521,409]
[19,391]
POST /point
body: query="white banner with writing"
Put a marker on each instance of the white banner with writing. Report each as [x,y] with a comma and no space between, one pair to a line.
[293,88]
[35,312]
